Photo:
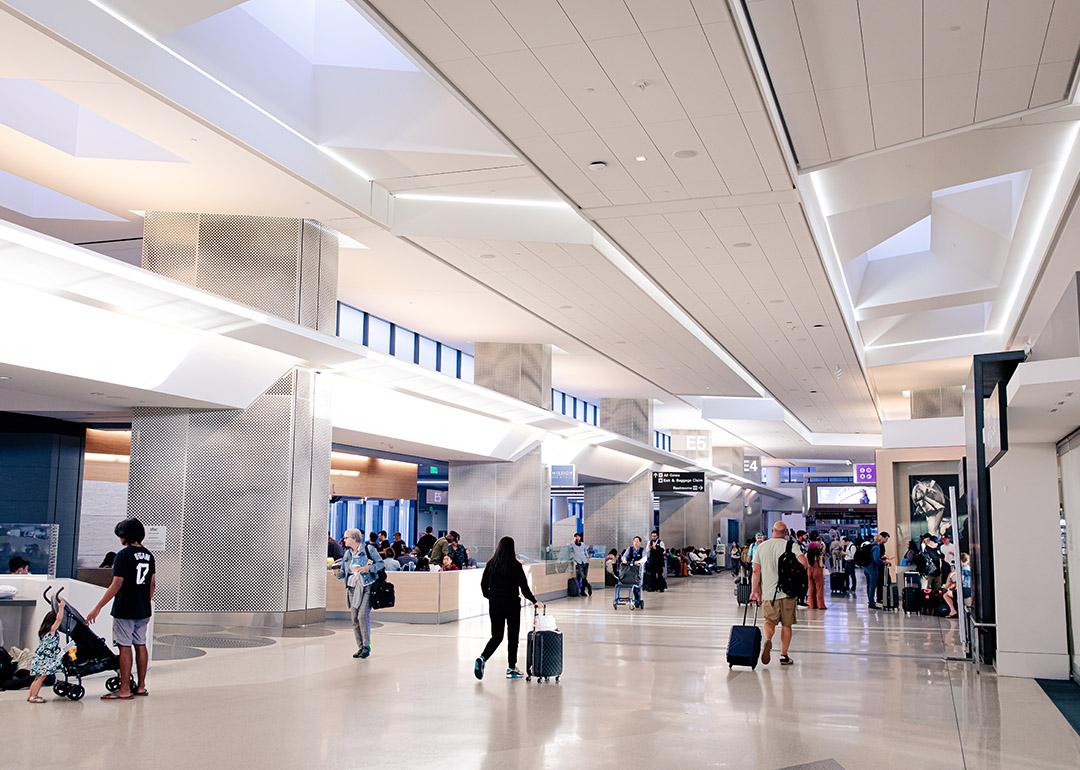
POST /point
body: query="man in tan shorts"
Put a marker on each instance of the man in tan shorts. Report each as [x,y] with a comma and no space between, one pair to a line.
[778,606]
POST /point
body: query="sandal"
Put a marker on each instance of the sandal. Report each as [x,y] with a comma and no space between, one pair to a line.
[116,696]
[142,694]
[35,699]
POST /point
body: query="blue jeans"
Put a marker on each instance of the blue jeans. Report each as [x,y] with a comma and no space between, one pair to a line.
[871,575]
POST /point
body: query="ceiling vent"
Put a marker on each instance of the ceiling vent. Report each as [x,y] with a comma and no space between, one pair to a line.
[937,402]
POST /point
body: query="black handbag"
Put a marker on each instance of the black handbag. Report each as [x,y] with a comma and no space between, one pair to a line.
[382,593]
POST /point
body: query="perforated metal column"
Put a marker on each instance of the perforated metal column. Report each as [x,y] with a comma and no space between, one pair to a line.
[630,417]
[492,500]
[615,513]
[521,371]
[243,493]
[686,521]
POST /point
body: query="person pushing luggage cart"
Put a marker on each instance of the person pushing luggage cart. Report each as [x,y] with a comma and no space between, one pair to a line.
[629,577]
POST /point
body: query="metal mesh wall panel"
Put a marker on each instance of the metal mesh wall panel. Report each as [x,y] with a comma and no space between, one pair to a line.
[520,371]
[171,244]
[242,492]
[615,513]
[328,280]
[252,260]
[937,402]
[156,481]
[311,243]
[630,417]
[492,500]
[686,521]
[321,440]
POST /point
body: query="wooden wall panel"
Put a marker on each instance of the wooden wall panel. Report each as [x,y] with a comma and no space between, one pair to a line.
[360,476]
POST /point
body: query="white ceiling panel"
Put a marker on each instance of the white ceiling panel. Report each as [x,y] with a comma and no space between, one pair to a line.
[930,66]
[1003,91]
[897,108]
[689,65]
[539,22]
[479,25]
[949,101]
[845,114]
[663,82]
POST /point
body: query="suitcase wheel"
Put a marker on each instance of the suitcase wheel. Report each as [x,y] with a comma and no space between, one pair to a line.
[556,679]
[528,679]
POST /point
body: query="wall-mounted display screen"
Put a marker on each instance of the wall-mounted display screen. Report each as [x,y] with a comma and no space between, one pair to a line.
[864,495]
[436,497]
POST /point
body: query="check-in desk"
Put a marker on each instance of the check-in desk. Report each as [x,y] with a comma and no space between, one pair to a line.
[443,597]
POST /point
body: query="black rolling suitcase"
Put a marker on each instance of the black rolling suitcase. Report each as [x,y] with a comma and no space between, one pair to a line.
[890,593]
[543,654]
[742,592]
[744,644]
[837,583]
[572,587]
[913,593]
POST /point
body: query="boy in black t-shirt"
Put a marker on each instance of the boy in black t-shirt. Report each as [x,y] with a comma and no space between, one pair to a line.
[132,586]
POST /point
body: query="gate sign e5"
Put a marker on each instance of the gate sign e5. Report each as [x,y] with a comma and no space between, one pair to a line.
[865,473]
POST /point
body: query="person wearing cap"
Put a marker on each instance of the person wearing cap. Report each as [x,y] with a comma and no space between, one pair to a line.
[931,563]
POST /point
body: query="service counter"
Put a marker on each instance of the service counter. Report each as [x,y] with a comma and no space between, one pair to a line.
[443,597]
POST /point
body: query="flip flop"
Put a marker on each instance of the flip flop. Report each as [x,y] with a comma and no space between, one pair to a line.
[115,696]
[36,699]
[142,694]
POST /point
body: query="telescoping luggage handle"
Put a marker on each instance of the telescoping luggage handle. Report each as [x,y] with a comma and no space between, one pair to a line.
[746,609]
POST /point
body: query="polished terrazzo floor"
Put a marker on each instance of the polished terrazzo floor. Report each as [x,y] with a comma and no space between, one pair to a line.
[646,689]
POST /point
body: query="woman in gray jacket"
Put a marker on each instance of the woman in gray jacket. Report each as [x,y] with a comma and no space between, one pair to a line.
[364,565]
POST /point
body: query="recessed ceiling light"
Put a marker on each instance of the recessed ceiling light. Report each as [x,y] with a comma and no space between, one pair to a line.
[1053,410]
[4,378]
[623,342]
[589,89]
[566,307]
[954,28]
[819,326]
[776,302]
[639,158]
[684,154]
[813,391]
[96,393]
[598,165]
[742,245]
[905,393]
[487,256]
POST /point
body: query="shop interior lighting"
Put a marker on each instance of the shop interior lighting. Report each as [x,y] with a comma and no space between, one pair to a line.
[524,202]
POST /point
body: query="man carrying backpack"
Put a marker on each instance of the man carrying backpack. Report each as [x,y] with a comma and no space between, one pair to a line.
[871,557]
[779,579]
[930,563]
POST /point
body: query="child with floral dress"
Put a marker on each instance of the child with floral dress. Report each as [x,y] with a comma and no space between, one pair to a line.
[48,656]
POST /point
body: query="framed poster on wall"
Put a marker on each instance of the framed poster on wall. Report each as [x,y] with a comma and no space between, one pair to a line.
[929,498]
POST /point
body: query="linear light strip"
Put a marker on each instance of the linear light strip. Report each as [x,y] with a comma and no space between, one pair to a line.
[488,201]
[333,155]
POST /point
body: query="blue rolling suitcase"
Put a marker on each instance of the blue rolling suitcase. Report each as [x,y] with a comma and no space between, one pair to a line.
[744,645]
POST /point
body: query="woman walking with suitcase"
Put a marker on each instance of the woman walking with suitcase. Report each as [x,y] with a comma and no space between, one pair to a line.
[503,579]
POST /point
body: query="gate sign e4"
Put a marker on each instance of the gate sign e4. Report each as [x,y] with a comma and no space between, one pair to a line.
[865,473]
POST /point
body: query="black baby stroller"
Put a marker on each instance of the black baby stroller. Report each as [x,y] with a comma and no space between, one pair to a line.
[90,655]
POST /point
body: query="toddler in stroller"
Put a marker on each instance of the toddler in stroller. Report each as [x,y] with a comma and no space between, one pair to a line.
[88,655]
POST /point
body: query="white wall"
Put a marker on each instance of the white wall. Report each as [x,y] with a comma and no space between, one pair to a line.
[104,503]
[1028,573]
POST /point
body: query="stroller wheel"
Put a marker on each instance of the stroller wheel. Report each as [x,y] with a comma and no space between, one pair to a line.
[112,684]
[61,689]
[76,692]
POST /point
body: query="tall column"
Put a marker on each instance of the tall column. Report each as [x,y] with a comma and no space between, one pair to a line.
[616,513]
[686,521]
[492,500]
[243,493]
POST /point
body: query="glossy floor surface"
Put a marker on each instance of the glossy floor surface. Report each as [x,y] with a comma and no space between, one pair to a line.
[648,689]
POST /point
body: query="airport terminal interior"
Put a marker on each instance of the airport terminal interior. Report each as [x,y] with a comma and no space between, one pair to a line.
[540,384]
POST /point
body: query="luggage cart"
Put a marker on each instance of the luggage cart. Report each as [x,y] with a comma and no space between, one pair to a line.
[628,581]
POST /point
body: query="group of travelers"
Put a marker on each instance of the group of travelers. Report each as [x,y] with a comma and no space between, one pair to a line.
[933,559]
[430,554]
